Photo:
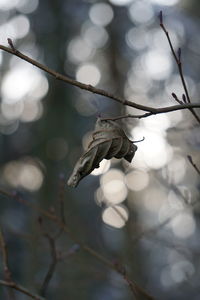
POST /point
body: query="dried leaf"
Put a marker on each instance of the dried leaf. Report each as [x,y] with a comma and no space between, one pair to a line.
[108,140]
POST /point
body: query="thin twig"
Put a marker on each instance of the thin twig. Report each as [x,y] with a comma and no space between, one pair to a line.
[193,164]
[136,291]
[86,248]
[61,203]
[8,276]
[7,272]
[52,265]
[21,289]
[177,58]
[92,89]
[176,99]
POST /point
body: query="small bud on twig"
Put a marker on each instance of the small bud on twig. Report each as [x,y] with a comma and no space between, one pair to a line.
[11,44]
[174,96]
[184,98]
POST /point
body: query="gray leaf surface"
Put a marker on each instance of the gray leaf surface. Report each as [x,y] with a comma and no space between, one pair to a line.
[108,140]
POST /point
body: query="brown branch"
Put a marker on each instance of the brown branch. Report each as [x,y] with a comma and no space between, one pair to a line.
[90,88]
[6,269]
[177,58]
[61,203]
[86,248]
[8,276]
[178,100]
[52,265]
[21,289]
[193,164]
[136,291]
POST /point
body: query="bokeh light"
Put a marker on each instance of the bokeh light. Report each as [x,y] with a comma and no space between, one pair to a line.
[137,180]
[6,4]
[182,270]
[120,2]
[175,170]
[8,127]
[78,50]
[115,216]
[32,111]
[141,12]
[154,151]
[158,64]
[113,186]
[165,2]
[155,198]
[101,14]
[183,225]
[16,28]
[12,111]
[136,38]
[23,81]
[115,191]
[171,207]
[25,174]
[88,74]
[27,6]
[95,36]
[24,6]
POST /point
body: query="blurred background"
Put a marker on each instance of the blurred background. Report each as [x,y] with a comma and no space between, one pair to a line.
[143,215]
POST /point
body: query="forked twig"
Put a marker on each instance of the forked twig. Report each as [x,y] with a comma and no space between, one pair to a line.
[150,110]
[52,266]
[9,282]
[21,289]
[177,58]
[135,288]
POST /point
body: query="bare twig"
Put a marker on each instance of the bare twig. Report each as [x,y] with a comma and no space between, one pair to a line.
[176,99]
[137,292]
[148,114]
[193,164]
[21,289]
[61,203]
[177,58]
[9,282]
[86,248]
[92,89]
[52,265]
[8,275]
[6,269]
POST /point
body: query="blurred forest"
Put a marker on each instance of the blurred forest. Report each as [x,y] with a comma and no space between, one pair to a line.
[142,218]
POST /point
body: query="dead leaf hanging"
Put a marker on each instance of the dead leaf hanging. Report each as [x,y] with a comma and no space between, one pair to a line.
[108,140]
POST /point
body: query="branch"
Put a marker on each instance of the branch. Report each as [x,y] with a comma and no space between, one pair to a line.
[3,246]
[193,164]
[6,270]
[137,290]
[177,58]
[90,88]
[8,276]
[52,265]
[21,289]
